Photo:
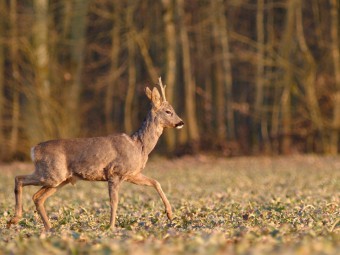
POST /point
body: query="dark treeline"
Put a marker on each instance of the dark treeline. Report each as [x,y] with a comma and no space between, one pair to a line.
[248,76]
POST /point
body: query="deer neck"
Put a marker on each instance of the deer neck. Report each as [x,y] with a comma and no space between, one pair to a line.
[148,134]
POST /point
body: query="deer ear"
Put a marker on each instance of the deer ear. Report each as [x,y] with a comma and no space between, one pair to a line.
[156,98]
[148,93]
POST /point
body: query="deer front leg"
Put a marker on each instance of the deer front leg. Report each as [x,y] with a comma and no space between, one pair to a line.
[144,180]
[113,192]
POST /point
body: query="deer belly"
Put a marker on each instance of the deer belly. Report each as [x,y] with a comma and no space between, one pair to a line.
[90,172]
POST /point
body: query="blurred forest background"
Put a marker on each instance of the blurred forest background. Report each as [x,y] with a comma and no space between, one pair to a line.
[247,76]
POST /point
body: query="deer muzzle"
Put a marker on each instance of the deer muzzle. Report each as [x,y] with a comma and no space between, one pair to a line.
[179,125]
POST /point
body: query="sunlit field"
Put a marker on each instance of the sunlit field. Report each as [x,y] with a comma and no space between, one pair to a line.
[254,205]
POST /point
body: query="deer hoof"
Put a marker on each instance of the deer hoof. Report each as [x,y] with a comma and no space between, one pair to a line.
[169,214]
[47,232]
[14,220]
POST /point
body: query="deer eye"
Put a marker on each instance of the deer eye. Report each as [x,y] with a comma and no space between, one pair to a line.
[168,112]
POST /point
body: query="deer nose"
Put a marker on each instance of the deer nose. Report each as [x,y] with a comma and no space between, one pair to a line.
[179,125]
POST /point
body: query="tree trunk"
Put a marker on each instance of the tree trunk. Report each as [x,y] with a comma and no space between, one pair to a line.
[336,62]
[78,35]
[131,70]
[114,72]
[259,115]
[14,133]
[189,82]
[42,82]
[228,80]
[2,77]
[224,96]
[275,117]
[220,102]
[170,71]
[67,18]
[309,77]
[205,73]
[286,51]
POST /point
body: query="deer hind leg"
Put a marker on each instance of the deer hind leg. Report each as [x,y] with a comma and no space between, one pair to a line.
[20,182]
[146,181]
[39,199]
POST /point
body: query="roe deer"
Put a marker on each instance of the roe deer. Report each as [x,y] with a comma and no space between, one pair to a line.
[114,158]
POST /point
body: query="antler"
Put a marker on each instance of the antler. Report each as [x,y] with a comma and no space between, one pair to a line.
[162,88]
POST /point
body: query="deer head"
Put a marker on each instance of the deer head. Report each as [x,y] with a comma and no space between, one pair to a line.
[163,111]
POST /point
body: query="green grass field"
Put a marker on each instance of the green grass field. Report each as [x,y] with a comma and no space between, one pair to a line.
[278,205]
